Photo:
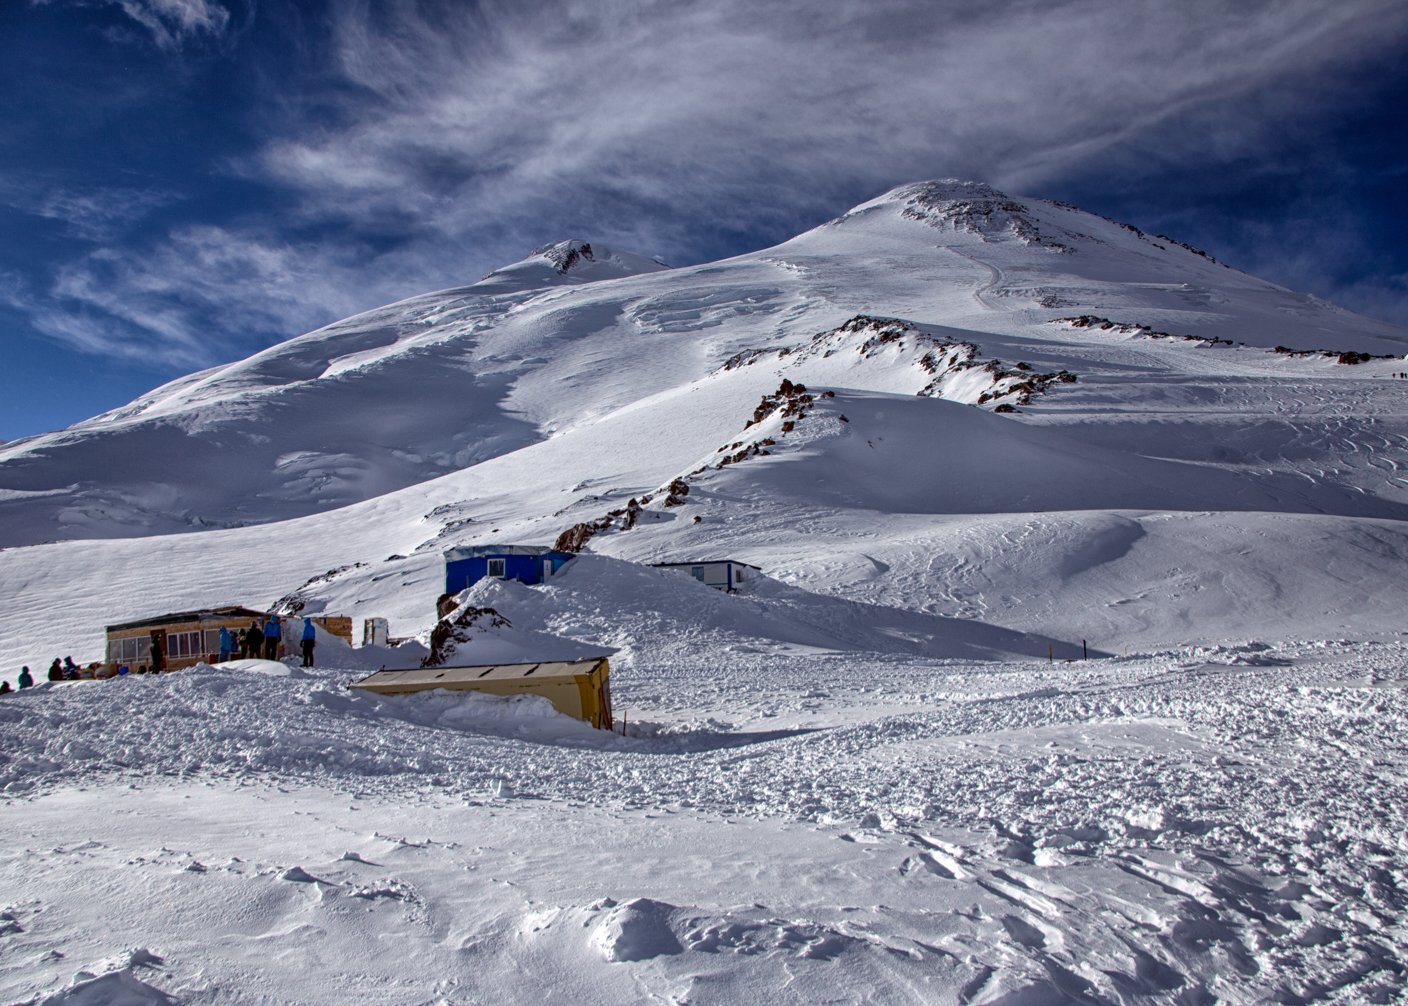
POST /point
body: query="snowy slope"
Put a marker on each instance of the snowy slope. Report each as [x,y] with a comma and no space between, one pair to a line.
[1220,825]
[969,439]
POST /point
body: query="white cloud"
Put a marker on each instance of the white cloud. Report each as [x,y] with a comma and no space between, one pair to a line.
[710,116]
[171,23]
[95,215]
[202,293]
[461,135]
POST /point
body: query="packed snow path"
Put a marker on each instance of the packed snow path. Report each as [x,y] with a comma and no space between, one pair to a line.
[1222,823]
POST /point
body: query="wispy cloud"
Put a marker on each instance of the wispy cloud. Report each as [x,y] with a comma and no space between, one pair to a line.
[201,293]
[96,215]
[436,140]
[732,116]
[170,23]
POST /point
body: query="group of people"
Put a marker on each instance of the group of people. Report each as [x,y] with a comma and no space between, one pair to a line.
[59,670]
[67,670]
[264,641]
[235,644]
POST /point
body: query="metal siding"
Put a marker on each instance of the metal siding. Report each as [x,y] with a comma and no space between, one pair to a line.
[524,568]
[463,572]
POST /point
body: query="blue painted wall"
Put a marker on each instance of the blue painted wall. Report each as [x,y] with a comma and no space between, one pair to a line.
[461,573]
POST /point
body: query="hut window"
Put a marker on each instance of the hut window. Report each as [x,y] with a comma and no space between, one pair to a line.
[738,575]
[697,572]
[122,651]
[496,568]
[180,645]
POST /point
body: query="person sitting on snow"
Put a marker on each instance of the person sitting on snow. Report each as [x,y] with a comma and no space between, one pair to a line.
[5,688]
[56,670]
[25,679]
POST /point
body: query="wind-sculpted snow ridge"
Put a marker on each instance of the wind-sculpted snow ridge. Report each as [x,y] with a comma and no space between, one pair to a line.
[777,413]
[954,369]
[1134,328]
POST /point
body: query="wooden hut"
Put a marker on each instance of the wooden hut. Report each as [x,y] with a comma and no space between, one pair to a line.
[185,638]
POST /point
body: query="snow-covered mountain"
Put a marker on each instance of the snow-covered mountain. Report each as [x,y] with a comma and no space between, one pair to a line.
[576,332]
[1026,396]
[965,436]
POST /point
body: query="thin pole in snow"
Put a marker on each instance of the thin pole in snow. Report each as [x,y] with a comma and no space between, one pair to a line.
[1084,653]
[1049,657]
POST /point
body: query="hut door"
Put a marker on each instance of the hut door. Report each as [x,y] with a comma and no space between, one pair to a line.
[158,649]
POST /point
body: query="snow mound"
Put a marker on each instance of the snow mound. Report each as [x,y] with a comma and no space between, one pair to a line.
[636,930]
[475,633]
[113,983]
[636,607]
[268,668]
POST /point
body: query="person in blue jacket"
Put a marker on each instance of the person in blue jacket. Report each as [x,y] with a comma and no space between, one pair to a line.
[309,640]
[272,632]
[226,644]
[25,679]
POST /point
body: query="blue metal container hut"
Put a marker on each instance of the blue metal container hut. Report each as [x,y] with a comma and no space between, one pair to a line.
[525,563]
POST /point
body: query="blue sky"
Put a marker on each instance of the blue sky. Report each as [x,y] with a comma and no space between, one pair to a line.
[188,181]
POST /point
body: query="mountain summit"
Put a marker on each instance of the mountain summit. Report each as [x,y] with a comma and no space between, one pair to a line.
[572,261]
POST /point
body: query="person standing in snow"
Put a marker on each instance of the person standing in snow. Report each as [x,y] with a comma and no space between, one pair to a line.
[242,645]
[25,679]
[254,640]
[309,640]
[273,633]
[225,644]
